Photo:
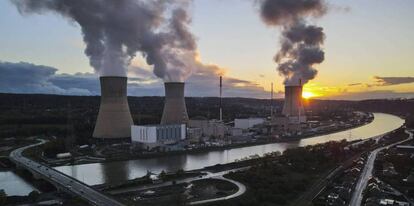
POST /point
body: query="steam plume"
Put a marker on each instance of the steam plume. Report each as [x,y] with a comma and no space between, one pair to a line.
[300,43]
[115,30]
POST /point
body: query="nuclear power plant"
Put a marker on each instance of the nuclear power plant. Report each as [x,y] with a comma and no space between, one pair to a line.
[292,119]
[293,105]
[175,110]
[114,119]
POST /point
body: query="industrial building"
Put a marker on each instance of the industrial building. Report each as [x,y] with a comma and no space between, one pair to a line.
[209,128]
[194,135]
[286,125]
[114,118]
[151,136]
[247,123]
[175,110]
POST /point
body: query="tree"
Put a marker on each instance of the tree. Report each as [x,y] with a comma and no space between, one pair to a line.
[179,199]
[34,195]
[410,121]
[162,175]
[3,197]
[179,172]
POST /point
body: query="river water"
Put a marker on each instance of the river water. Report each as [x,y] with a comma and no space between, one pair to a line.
[14,184]
[112,172]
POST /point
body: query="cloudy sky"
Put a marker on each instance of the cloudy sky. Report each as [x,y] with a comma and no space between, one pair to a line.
[368,53]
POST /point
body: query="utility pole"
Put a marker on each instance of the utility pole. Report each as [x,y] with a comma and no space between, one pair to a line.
[221,93]
[271,101]
[300,99]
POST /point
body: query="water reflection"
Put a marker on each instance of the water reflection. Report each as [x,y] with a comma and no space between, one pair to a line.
[117,171]
[12,184]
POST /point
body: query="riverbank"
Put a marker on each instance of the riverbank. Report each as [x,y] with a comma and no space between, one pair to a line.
[262,141]
[299,168]
[299,172]
[119,171]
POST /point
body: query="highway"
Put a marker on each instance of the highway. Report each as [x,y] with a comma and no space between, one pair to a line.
[62,181]
[367,171]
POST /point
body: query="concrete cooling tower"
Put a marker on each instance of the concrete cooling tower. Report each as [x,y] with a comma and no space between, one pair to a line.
[293,106]
[114,118]
[175,111]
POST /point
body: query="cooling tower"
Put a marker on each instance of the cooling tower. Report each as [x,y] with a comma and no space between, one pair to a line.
[114,118]
[293,106]
[175,111]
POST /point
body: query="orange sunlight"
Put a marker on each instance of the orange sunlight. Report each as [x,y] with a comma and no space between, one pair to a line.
[308,94]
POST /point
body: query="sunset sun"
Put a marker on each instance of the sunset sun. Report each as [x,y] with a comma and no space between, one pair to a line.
[307,94]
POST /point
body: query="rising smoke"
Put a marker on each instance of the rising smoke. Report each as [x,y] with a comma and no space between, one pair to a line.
[115,30]
[300,43]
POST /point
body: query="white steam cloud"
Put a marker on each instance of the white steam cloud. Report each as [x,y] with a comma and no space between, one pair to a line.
[301,43]
[116,30]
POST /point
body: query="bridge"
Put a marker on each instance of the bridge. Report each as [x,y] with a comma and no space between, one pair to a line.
[60,180]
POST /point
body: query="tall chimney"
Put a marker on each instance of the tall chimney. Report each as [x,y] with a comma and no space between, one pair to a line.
[175,111]
[221,93]
[271,100]
[114,118]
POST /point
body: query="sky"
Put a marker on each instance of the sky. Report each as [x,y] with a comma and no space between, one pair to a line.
[368,53]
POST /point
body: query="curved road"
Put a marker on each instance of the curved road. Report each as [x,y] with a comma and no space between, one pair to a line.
[241,190]
[367,171]
[219,175]
[62,181]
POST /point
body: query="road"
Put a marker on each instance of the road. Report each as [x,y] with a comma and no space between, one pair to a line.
[307,197]
[241,190]
[367,171]
[219,175]
[62,181]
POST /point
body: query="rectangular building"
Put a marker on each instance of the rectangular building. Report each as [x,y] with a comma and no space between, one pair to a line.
[209,128]
[158,135]
[247,123]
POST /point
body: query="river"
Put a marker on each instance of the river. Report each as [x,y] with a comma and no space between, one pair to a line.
[14,184]
[111,172]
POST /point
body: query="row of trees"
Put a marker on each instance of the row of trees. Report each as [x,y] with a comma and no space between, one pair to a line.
[280,179]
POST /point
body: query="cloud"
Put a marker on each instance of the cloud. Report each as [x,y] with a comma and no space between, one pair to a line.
[388,81]
[84,83]
[385,81]
[378,94]
[354,84]
[205,82]
[30,78]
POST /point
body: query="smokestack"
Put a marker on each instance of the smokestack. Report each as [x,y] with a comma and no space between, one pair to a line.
[175,111]
[271,101]
[114,118]
[293,105]
[221,93]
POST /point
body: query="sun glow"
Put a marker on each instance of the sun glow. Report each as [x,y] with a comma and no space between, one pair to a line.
[307,94]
